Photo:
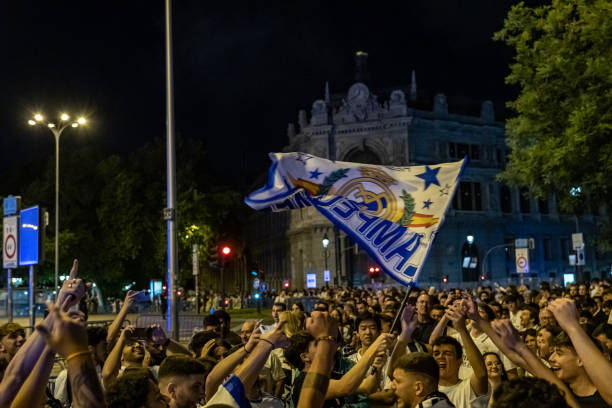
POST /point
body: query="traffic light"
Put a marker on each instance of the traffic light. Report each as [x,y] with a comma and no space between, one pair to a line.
[164,289]
[286,284]
[482,277]
[445,279]
[374,271]
[226,250]
[257,295]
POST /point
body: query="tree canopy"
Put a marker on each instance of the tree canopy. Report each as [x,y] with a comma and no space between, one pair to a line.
[111,211]
[561,135]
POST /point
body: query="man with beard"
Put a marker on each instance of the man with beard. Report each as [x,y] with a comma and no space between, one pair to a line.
[182,379]
[225,326]
[415,382]
[12,337]
[156,346]
[128,352]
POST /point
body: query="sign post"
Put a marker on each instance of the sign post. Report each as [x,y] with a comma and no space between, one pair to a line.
[10,245]
[522,260]
[30,250]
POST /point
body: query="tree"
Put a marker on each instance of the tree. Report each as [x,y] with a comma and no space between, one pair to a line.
[561,136]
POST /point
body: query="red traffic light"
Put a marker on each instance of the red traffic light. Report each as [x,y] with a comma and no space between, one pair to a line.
[371,269]
[286,284]
[482,277]
[164,288]
[226,302]
[445,279]
[179,293]
[226,250]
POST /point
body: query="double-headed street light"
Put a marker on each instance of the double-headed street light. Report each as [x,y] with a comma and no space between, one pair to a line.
[57,128]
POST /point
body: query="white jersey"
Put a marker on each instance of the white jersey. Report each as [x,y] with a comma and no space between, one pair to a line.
[462,396]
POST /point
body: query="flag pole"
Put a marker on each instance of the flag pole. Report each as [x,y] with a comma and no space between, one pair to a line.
[401,308]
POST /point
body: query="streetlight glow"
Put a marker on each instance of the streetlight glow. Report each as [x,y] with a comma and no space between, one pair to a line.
[56,130]
[325,241]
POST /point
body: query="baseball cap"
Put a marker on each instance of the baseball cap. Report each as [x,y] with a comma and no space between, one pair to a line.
[9,328]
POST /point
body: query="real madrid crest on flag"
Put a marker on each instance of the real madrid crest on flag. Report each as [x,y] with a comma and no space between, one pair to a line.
[392,212]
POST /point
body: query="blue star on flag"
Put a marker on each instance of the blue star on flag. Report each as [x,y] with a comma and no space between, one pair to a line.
[315,174]
[429,176]
[427,203]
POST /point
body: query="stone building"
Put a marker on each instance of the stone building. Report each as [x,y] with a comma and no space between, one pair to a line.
[397,127]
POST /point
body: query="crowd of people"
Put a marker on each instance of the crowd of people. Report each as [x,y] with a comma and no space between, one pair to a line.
[498,347]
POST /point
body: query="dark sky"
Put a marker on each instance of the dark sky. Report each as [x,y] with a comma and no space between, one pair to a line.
[242,69]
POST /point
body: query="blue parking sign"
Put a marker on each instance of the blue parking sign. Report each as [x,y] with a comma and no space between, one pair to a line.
[29,236]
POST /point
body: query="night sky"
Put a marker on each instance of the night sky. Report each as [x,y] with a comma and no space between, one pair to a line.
[242,69]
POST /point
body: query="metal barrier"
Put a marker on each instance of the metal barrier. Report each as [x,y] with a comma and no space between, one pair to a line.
[187,322]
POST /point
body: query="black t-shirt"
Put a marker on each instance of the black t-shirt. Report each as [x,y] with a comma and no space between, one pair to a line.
[592,401]
[423,331]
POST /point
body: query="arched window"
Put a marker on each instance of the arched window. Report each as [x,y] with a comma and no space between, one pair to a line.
[362,155]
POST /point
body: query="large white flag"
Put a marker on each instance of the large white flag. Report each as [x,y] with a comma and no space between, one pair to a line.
[392,212]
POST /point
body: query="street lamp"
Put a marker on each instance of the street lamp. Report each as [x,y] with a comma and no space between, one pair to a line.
[325,242]
[57,129]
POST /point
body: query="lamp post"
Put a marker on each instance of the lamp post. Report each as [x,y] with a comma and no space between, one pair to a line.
[325,242]
[57,129]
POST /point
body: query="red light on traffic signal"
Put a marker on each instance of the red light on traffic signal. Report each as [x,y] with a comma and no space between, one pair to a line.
[164,288]
[286,284]
[445,279]
[226,250]
[372,269]
[226,302]
[482,277]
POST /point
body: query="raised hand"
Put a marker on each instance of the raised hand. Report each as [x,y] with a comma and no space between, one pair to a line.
[565,312]
[158,336]
[409,323]
[253,339]
[69,333]
[383,342]
[277,336]
[72,289]
[130,298]
[469,309]
[508,334]
[321,324]
[454,314]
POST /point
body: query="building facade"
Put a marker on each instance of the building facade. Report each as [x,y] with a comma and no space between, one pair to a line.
[356,127]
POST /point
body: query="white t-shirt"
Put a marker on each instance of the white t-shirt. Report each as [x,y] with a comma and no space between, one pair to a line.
[462,396]
[484,345]
[515,319]
[273,371]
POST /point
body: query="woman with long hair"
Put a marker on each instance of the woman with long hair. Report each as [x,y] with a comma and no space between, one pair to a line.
[495,372]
